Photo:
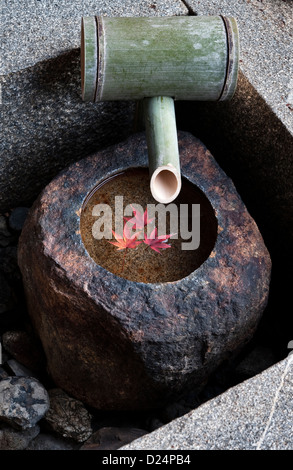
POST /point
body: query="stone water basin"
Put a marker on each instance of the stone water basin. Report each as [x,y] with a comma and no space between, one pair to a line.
[115,343]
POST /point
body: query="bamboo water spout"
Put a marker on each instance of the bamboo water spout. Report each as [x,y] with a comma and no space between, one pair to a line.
[159,60]
[164,163]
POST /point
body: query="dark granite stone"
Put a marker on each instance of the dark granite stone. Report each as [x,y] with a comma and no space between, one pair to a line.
[68,417]
[117,344]
[23,402]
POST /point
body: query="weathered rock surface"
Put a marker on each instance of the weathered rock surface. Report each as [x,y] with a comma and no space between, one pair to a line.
[112,438]
[115,344]
[68,417]
[11,439]
[23,402]
[255,415]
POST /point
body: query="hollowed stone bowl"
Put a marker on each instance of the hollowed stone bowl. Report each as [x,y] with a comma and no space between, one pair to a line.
[118,344]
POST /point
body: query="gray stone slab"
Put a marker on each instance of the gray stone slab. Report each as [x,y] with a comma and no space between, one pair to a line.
[266,35]
[257,414]
[46,126]
[44,122]
[35,30]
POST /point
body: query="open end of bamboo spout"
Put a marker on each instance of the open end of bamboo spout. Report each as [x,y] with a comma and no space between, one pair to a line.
[165,184]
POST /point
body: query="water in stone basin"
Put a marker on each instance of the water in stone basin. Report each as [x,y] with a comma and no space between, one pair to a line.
[143,264]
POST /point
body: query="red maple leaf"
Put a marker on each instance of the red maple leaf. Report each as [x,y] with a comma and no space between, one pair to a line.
[156,243]
[128,240]
[140,220]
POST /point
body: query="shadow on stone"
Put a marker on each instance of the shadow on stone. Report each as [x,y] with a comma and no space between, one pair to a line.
[48,126]
[255,150]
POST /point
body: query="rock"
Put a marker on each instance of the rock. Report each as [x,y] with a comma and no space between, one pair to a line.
[255,415]
[112,438]
[18,369]
[10,439]
[25,348]
[23,402]
[50,442]
[259,359]
[5,235]
[17,218]
[137,345]
[68,417]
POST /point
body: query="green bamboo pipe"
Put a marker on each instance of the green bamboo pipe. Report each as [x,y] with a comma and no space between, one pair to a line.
[164,163]
[157,60]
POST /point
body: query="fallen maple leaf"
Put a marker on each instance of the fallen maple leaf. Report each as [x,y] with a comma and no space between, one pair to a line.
[128,240]
[140,220]
[156,243]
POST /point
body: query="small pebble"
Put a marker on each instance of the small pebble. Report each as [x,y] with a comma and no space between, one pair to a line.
[68,417]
